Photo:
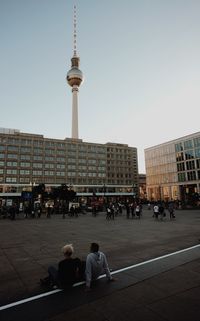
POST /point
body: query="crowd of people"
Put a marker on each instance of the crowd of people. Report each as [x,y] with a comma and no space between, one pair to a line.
[112,210]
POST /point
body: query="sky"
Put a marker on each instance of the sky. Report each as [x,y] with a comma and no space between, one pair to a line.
[140,60]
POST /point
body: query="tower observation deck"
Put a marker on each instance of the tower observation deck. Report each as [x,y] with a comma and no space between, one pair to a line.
[74,78]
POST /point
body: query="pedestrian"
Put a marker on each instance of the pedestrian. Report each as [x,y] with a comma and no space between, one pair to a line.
[96,265]
[171,211]
[48,211]
[127,211]
[133,210]
[69,271]
[138,210]
[156,211]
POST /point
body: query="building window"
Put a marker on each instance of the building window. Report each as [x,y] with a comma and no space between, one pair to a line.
[60,159]
[13,164]
[25,157]
[25,149]
[51,166]
[37,143]
[197,153]
[82,161]
[1,171]
[189,154]
[37,158]
[92,161]
[11,171]
[198,174]
[23,164]
[11,179]
[2,163]
[24,180]
[24,172]
[37,151]
[197,142]
[191,176]
[49,173]
[60,152]
[37,165]
[188,144]
[179,157]
[198,163]
[12,156]
[181,177]
[60,173]
[60,166]
[13,148]
[2,156]
[37,173]
[71,174]
[49,158]
[190,165]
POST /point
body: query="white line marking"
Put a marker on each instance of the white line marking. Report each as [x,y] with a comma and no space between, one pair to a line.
[4,307]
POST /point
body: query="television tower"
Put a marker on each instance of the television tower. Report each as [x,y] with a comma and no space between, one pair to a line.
[74,79]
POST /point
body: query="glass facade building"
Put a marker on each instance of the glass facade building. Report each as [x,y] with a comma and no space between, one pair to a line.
[173,169]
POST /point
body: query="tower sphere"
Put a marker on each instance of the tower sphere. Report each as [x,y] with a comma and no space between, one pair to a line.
[74,77]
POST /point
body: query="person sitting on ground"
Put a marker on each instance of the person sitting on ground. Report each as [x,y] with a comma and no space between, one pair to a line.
[96,264]
[69,271]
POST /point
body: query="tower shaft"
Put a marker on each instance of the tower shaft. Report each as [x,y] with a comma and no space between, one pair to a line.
[75,112]
[74,79]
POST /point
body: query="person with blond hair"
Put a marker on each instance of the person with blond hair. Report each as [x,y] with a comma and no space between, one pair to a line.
[69,271]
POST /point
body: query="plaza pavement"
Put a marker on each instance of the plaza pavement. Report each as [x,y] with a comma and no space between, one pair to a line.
[166,289]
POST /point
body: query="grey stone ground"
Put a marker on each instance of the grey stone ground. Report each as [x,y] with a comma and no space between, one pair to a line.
[28,246]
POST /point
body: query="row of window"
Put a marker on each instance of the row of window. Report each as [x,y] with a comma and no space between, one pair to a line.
[189,154]
[189,176]
[27,147]
[188,144]
[189,165]
[28,164]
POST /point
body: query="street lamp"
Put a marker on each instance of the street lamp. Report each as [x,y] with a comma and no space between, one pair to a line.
[134,186]
[32,184]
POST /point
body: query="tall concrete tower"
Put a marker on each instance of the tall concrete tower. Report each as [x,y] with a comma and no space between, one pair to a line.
[74,79]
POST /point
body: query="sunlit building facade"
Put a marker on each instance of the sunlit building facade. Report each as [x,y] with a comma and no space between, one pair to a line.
[173,169]
[28,159]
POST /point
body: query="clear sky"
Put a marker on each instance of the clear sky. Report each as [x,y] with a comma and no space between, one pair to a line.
[140,59]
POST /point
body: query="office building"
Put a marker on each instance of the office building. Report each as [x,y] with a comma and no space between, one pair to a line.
[173,169]
[29,159]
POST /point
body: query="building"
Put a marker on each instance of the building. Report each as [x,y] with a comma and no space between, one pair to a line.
[104,169]
[142,187]
[173,169]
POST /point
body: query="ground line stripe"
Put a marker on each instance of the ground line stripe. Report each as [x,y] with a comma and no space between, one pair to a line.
[7,306]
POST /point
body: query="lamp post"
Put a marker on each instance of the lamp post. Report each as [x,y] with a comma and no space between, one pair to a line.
[134,186]
[104,192]
[32,199]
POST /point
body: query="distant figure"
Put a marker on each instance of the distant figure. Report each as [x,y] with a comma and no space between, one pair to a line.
[156,211]
[96,264]
[171,210]
[138,210]
[69,270]
[48,211]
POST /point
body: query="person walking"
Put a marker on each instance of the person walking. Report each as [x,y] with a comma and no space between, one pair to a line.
[156,211]
[96,265]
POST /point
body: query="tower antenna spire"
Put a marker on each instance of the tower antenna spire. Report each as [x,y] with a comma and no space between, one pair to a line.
[74,79]
[74,32]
